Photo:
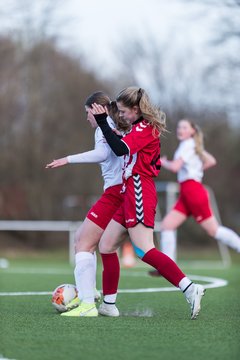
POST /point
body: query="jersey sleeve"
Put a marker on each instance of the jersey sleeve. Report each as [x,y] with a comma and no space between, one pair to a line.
[99,154]
[140,136]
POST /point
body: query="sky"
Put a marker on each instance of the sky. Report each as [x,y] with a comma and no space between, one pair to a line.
[97,30]
[100,27]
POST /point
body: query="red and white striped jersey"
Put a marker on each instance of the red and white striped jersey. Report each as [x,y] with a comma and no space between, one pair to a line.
[144,151]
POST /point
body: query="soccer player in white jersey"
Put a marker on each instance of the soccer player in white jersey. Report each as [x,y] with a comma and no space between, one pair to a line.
[89,233]
[189,162]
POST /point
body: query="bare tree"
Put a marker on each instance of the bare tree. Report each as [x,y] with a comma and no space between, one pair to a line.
[199,85]
[43,117]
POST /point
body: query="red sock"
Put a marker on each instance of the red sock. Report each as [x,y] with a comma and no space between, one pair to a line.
[166,266]
[111,273]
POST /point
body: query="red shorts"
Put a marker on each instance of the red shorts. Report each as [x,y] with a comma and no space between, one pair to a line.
[103,210]
[139,204]
[194,200]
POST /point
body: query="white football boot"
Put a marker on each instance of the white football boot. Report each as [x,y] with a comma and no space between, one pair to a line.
[194,296]
[108,310]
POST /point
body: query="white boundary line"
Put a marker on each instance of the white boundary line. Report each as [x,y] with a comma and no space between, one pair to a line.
[213,283]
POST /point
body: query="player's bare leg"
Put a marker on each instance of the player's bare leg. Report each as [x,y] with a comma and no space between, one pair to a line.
[221,233]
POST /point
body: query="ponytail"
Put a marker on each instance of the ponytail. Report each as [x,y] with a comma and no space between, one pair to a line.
[198,138]
[134,96]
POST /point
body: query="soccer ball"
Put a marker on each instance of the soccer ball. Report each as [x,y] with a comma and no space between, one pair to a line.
[63,295]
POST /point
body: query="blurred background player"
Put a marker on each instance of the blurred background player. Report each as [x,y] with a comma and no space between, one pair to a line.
[189,162]
[89,233]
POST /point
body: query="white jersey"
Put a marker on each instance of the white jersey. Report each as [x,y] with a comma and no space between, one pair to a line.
[111,165]
[192,164]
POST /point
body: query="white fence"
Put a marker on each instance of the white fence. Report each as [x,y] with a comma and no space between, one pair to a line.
[171,190]
[66,226]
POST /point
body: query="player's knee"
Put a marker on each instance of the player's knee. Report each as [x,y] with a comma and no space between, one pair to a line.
[105,248]
[83,243]
[102,248]
[166,224]
[211,232]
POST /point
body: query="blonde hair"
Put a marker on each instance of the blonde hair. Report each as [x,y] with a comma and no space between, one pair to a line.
[99,97]
[198,138]
[134,96]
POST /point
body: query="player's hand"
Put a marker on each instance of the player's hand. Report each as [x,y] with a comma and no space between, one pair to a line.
[100,114]
[163,158]
[164,161]
[98,109]
[57,163]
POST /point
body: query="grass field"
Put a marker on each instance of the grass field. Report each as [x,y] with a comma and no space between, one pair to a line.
[151,325]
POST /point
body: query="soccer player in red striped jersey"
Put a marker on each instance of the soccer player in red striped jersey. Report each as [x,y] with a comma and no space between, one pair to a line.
[141,151]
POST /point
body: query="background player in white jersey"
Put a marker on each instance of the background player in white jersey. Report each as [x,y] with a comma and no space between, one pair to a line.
[189,162]
[89,233]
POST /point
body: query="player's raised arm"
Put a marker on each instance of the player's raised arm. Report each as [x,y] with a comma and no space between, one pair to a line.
[117,146]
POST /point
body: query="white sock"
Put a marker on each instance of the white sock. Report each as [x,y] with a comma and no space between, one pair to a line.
[95,267]
[111,299]
[85,276]
[228,237]
[168,243]
[184,285]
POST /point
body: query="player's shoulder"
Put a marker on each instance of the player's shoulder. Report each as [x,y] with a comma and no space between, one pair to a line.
[99,137]
[142,126]
[111,123]
[187,144]
[98,133]
[185,149]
